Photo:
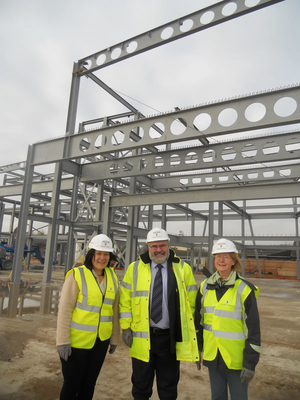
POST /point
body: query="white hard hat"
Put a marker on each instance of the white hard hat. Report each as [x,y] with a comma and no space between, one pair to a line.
[101,243]
[156,235]
[224,246]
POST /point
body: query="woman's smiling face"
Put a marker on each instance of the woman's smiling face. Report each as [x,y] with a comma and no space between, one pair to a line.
[223,263]
[100,260]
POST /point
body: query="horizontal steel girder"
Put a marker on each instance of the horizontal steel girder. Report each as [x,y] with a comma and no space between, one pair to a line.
[247,176]
[13,167]
[118,138]
[232,156]
[37,187]
[219,194]
[188,240]
[174,30]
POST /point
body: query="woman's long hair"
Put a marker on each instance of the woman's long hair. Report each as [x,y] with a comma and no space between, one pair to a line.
[88,262]
[238,263]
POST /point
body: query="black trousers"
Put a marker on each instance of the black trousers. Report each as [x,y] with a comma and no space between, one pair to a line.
[81,371]
[162,363]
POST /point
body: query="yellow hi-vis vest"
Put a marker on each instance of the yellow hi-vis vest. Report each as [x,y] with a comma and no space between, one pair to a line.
[93,314]
[223,324]
[134,310]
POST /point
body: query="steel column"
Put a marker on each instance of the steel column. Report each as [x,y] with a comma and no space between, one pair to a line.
[52,228]
[22,226]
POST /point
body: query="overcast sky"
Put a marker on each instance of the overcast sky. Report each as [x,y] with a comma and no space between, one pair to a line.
[40,41]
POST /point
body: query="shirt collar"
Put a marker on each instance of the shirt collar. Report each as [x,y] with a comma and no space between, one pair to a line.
[216,279]
[154,264]
[228,281]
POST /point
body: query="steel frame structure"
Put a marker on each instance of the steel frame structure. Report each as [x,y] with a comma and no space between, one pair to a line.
[123,173]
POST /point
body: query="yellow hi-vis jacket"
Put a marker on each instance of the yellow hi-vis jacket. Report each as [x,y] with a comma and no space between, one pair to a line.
[93,314]
[134,309]
[223,324]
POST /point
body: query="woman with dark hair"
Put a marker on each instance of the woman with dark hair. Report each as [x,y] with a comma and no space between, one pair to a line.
[227,325]
[88,320]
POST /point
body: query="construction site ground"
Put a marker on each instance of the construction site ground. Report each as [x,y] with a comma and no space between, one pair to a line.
[30,367]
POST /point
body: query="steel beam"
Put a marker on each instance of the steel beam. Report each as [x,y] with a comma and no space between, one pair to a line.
[37,187]
[52,150]
[277,191]
[174,30]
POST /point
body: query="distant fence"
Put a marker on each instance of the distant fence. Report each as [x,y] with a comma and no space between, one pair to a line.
[275,268]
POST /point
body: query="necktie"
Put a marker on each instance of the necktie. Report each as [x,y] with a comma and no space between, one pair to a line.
[156,308]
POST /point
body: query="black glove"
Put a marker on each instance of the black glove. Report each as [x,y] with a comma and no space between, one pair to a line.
[64,351]
[127,337]
[246,375]
[112,348]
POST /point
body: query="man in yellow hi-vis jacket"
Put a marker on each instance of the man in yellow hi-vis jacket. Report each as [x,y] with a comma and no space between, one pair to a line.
[157,303]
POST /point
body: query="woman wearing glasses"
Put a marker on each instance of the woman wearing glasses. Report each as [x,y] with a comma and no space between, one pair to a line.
[227,325]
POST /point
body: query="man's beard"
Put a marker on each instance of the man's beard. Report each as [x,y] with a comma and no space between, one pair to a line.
[160,258]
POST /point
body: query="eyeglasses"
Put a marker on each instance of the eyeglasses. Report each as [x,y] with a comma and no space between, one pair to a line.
[155,246]
[225,258]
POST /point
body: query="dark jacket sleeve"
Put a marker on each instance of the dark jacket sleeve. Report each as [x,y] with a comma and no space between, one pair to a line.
[198,322]
[252,328]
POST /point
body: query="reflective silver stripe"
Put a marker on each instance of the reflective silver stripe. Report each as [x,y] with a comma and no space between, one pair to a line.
[207,327]
[204,289]
[140,293]
[127,314]
[106,319]
[191,288]
[84,287]
[86,307]
[114,280]
[228,314]
[229,335]
[108,301]
[224,334]
[240,290]
[83,327]
[126,285]
[209,310]
[137,293]
[134,278]
[141,335]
